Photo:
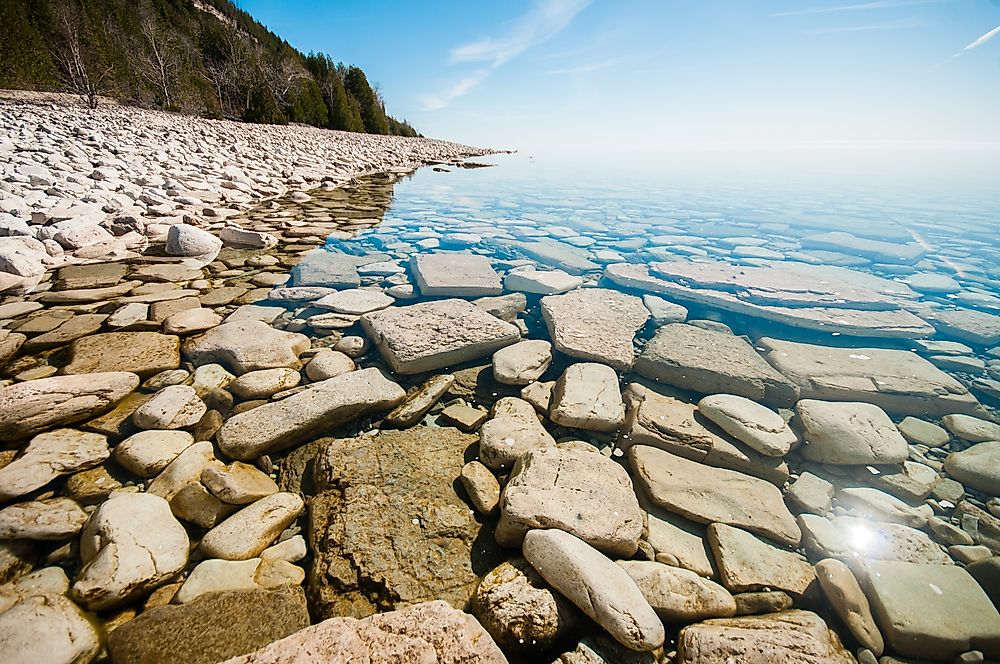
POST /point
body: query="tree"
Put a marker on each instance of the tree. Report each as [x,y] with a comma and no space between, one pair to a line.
[79,70]
[159,60]
[372,113]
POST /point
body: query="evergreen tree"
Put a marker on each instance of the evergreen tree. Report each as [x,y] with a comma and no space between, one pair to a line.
[372,113]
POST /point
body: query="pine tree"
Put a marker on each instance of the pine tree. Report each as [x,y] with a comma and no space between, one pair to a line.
[372,113]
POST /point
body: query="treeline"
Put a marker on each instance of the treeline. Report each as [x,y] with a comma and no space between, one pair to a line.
[204,57]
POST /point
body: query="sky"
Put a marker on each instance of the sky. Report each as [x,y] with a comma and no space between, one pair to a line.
[634,76]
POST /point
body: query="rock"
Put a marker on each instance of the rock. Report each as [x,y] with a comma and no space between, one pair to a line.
[931,611]
[512,430]
[251,530]
[664,312]
[211,628]
[972,429]
[464,418]
[482,487]
[427,632]
[708,495]
[987,573]
[748,604]
[542,282]
[173,407]
[143,353]
[849,433]
[247,345]
[355,301]
[47,628]
[850,538]
[523,362]
[912,481]
[35,405]
[131,545]
[214,575]
[883,507]
[896,380]
[185,469]
[191,321]
[432,335]
[975,327]
[582,493]
[978,467]
[329,364]
[462,275]
[238,483]
[747,563]
[749,422]
[675,540]
[539,395]
[504,307]
[352,346]
[10,343]
[48,456]
[849,601]
[239,237]
[921,432]
[711,362]
[519,610]
[419,402]
[385,510]
[595,324]
[587,396]
[290,550]
[325,405]
[210,377]
[52,519]
[677,595]
[600,588]
[265,383]
[191,242]
[602,649]
[789,637]
[810,493]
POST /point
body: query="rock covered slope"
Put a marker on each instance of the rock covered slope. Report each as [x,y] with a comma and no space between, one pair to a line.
[80,186]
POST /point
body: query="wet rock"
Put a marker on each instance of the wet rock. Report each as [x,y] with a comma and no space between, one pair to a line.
[912,481]
[748,604]
[898,381]
[210,629]
[850,538]
[432,335]
[883,507]
[47,628]
[504,307]
[386,516]
[129,546]
[582,493]
[977,466]
[664,312]
[243,238]
[969,325]
[214,575]
[247,345]
[10,343]
[50,455]
[73,328]
[482,487]
[987,573]
[355,301]
[712,362]
[849,433]
[675,540]
[747,563]
[327,404]
[191,321]
[598,587]
[173,407]
[33,406]
[810,493]
[972,429]
[427,632]
[595,324]
[419,402]
[931,611]
[848,600]
[209,377]
[519,610]
[464,418]
[749,422]
[251,530]
[238,483]
[523,362]
[707,495]
[455,274]
[790,637]
[677,595]
[541,282]
[265,383]
[587,396]
[512,430]
[51,519]
[329,364]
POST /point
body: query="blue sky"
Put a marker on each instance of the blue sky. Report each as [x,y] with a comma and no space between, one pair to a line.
[640,75]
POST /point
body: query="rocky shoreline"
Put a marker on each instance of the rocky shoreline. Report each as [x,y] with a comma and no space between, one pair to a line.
[249,429]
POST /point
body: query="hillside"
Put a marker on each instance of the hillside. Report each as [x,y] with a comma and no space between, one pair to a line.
[202,57]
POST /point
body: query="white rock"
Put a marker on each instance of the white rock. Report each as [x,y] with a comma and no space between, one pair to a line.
[329,364]
[147,453]
[50,455]
[47,628]
[251,530]
[587,396]
[173,407]
[522,363]
[265,383]
[543,282]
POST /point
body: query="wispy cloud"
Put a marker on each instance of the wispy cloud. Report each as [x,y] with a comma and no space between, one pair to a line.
[982,40]
[544,21]
[902,24]
[876,4]
[583,69]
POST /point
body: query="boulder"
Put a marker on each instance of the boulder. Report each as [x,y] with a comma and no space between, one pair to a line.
[712,362]
[455,274]
[977,467]
[35,405]
[595,324]
[522,363]
[191,242]
[512,430]
[246,345]
[433,335]
[47,628]
[587,396]
[131,545]
[749,422]
[583,493]
[678,595]
[143,353]
[600,588]
[50,455]
[280,424]
[849,433]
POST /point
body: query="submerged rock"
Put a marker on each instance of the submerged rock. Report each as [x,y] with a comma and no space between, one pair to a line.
[587,396]
[246,345]
[595,324]
[512,430]
[849,433]
[759,427]
[455,274]
[677,595]
[50,455]
[977,466]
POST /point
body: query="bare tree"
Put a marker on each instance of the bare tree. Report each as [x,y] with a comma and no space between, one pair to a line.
[159,60]
[280,75]
[229,73]
[77,71]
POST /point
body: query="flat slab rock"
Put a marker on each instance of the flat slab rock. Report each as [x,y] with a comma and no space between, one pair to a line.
[387,527]
[711,362]
[713,495]
[896,380]
[428,632]
[596,324]
[246,345]
[455,275]
[849,433]
[141,353]
[748,564]
[789,637]
[433,335]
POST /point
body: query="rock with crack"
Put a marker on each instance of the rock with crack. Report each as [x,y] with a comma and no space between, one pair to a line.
[512,430]
[47,627]
[587,396]
[595,324]
[50,455]
[246,345]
